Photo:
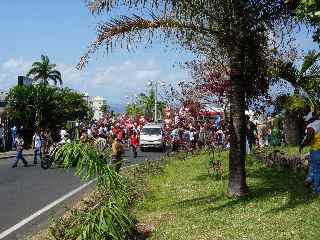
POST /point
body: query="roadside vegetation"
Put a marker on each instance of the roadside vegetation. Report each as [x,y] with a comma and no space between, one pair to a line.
[107,212]
[176,198]
[185,203]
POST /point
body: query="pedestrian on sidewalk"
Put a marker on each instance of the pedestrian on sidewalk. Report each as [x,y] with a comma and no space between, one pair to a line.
[19,146]
[13,137]
[1,137]
[36,145]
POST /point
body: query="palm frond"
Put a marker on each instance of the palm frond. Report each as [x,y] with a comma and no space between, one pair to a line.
[32,71]
[37,64]
[287,71]
[98,6]
[309,60]
[129,30]
[45,59]
[52,66]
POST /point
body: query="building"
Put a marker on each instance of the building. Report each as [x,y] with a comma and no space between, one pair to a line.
[24,81]
[3,102]
[97,103]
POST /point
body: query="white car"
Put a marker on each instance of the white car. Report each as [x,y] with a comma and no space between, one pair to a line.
[151,136]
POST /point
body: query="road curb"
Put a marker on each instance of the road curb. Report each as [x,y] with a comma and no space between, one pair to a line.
[14,155]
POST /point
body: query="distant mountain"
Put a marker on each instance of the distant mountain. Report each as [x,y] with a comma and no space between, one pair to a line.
[117,107]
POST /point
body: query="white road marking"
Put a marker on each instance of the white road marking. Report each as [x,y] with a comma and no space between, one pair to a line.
[48,207]
[41,211]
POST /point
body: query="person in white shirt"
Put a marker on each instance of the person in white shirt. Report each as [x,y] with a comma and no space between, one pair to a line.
[19,145]
[36,145]
[1,137]
[63,133]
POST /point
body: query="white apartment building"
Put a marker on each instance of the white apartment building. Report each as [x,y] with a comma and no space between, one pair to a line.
[97,103]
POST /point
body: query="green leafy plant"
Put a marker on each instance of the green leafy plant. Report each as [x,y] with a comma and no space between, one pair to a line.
[107,218]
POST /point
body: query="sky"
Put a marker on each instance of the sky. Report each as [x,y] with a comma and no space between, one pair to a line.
[62,29]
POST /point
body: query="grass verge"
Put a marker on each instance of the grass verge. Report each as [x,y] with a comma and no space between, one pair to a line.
[185,203]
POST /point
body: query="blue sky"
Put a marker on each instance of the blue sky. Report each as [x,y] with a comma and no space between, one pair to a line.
[62,29]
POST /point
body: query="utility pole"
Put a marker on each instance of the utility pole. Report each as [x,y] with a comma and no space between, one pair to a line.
[156,102]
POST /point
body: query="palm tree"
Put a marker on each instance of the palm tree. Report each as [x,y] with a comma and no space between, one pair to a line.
[133,111]
[306,91]
[43,71]
[238,27]
[147,103]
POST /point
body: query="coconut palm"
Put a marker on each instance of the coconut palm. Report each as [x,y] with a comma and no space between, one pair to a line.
[305,81]
[43,72]
[133,111]
[147,103]
[238,27]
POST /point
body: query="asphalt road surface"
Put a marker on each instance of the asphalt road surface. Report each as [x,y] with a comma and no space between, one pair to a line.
[26,190]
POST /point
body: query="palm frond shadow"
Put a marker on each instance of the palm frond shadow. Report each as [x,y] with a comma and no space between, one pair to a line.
[209,199]
[275,182]
[271,182]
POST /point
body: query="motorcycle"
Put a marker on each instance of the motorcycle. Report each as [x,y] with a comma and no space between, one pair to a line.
[49,157]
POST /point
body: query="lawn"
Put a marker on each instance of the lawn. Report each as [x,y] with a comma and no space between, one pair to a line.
[185,203]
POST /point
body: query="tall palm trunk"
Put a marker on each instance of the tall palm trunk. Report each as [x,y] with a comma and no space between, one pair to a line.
[293,128]
[237,127]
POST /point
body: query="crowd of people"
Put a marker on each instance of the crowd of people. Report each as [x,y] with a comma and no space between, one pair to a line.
[117,133]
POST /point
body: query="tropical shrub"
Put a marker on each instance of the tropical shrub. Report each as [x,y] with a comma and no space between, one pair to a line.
[107,218]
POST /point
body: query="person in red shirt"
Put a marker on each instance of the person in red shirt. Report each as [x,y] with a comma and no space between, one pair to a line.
[120,135]
[134,139]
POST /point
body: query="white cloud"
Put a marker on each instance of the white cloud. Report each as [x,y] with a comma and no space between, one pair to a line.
[129,78]
[112,82]
[10,70]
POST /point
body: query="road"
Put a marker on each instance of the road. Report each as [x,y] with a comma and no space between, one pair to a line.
[25,191]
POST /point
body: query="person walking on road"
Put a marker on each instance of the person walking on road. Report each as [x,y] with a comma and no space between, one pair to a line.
[134,141]
[117,151]
[19,146]
[36,145]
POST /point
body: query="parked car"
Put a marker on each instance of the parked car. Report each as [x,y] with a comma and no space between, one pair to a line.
[152,136]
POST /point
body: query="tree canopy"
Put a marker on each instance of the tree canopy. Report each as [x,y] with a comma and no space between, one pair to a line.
[43,72]
[45,107]
[238,28]
[309,11]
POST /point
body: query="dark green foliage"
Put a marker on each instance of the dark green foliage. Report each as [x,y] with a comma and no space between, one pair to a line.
[133,110]
[43,71]
[147,102]
[45,107]
[309,11]
[107,217]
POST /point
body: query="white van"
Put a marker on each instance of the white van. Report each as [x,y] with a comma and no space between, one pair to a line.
[151,136]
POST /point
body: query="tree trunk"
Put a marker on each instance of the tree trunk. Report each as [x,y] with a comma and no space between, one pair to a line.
[237,186]
[293,128]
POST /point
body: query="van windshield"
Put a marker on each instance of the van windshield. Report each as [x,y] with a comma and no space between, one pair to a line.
[151,131]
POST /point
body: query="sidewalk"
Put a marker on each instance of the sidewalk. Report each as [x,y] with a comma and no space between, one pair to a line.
[12,154]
